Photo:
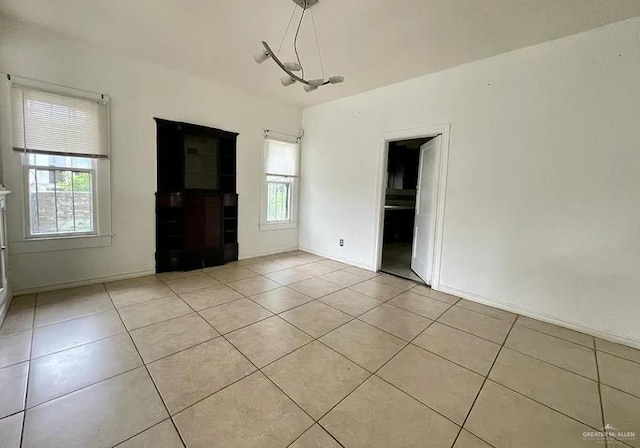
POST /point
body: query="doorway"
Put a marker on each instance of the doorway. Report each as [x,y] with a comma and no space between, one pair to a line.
[403,159]
[412,199]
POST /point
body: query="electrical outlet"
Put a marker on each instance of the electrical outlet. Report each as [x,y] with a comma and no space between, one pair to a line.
[341,242]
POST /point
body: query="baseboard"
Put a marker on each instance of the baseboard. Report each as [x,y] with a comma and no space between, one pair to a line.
[263,254]
[341,260]
[85,282]
[124,276]
[602,334]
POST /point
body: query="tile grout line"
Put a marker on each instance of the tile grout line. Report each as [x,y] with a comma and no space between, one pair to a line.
[600,396]
[549,363]
[258,369]
[313,339]
[286,286]
[542,404]
[313,277]
[558,337]
[482,386]
[618,356]
[351,318]
[340,354]
[446,359]
[149,375]
[486,377]
[143,302]
[85,386]
[321,429]
[179,351]
[59,322]
[310,301]
[122,332]
[372,373]
[77,346]
[26,390]
[148,429]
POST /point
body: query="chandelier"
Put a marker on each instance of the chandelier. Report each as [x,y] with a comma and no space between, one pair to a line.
[291,68]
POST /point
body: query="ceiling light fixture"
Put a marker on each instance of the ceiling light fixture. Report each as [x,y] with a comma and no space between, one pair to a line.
[290,67]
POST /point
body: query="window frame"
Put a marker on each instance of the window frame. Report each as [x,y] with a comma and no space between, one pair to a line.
[293,181]
[16,179]
[94,197]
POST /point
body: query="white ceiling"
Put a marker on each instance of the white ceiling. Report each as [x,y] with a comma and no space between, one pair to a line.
[371,43]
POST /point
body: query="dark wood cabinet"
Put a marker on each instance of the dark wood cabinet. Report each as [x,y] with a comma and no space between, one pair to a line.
[196,201]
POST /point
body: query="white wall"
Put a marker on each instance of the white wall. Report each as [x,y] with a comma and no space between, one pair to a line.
[139,92]
[543,195]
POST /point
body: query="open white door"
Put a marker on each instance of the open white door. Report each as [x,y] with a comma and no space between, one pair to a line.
[425,222]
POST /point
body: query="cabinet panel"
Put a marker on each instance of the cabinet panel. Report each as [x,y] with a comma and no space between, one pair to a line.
[212,222]
[194,223]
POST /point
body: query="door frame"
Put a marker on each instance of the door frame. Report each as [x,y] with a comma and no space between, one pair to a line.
[406,134]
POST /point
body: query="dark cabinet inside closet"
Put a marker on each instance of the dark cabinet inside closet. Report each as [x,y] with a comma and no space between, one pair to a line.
[196,200]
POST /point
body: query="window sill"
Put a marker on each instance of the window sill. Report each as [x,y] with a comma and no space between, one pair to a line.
[278,226]
[57,244]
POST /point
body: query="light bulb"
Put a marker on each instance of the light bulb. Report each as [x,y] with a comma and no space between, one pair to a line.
[287,81]
[310,88]
[336,79]
[292,66]
[261,56]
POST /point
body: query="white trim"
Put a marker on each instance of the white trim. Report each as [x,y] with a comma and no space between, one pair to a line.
[90,281]
[341,260]
[58,243]
[602,334]
[281,225]
[404,134]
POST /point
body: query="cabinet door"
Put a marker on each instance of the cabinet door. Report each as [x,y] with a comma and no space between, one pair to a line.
[194,227]
[213,222]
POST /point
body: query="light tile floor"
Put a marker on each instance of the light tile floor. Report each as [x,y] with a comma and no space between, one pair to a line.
[293,350]
[396,260]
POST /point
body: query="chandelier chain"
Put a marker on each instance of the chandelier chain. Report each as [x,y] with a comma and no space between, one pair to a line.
[313,20]
[287,29]
[295,41]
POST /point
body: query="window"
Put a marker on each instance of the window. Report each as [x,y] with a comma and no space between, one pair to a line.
[281,165]
[63,145]
[60,197]
[278,198]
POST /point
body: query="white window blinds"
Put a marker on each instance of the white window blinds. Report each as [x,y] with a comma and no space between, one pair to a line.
[49,123]
[282,158]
